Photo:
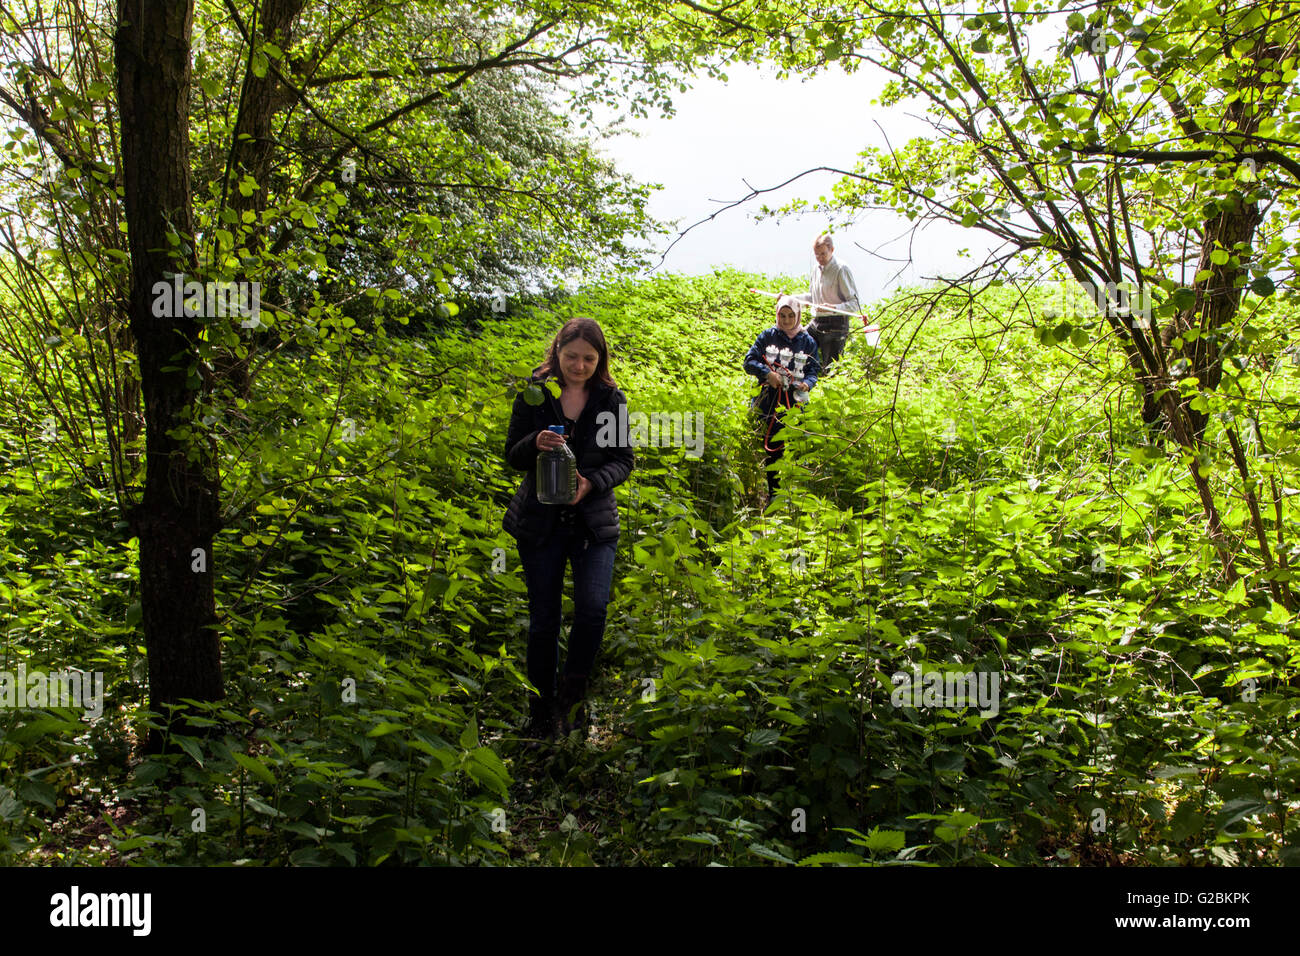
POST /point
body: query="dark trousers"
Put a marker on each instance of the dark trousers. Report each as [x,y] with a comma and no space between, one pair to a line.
[593,571]
[767,425]
[830,340]
[772,457]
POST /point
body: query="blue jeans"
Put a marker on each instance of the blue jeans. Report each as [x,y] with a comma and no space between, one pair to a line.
[593,571]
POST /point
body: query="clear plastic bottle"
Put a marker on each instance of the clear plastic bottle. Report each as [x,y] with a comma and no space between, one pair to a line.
[557,474]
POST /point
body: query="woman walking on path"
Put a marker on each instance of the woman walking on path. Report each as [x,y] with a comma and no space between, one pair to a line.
[583,533]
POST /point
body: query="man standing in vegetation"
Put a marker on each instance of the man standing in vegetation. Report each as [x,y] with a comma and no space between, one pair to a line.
[832,286]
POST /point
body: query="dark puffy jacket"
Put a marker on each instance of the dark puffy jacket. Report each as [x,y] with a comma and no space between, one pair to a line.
[767,399]
[527,519]
[802,342]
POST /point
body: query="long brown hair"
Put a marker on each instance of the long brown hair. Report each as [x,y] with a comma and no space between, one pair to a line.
[579,327]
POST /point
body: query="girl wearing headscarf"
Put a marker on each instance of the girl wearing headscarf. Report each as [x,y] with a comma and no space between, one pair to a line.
[779,388]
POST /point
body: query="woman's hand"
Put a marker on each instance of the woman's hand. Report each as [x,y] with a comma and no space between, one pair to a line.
[584,486]
[547,439]
[773,379]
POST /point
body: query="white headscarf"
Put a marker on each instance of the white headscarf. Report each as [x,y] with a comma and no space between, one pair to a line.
[794,304]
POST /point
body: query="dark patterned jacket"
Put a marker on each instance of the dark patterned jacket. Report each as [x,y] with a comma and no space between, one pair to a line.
[527,519]
[767,399]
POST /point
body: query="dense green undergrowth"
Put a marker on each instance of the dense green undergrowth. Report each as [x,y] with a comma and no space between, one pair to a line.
[962,499]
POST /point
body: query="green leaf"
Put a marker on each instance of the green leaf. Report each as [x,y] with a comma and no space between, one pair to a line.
[344,850]
[309,856]
[302,828]
[191,747]
[486,768]
[881,841]
[769,854]
[1237,593]
[1237,809]
[1186,822]
[262,808]
[469,735]
[37,791]
[11,808]
[43,727]
[149,771]
[705,839]
[255,767]
[134,843]
[831,859]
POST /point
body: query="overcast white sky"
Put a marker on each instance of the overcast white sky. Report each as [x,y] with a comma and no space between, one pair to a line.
[759,130]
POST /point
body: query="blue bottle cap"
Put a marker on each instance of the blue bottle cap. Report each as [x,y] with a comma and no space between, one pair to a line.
[558,429]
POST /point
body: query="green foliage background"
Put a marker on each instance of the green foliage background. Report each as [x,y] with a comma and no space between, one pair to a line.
[963,498]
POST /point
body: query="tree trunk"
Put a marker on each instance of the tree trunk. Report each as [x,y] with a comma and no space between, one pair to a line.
[1218,300]
[178,515]
[251,153]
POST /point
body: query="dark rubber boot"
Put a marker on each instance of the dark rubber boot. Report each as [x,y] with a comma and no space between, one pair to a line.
[543,721]
[572,703]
